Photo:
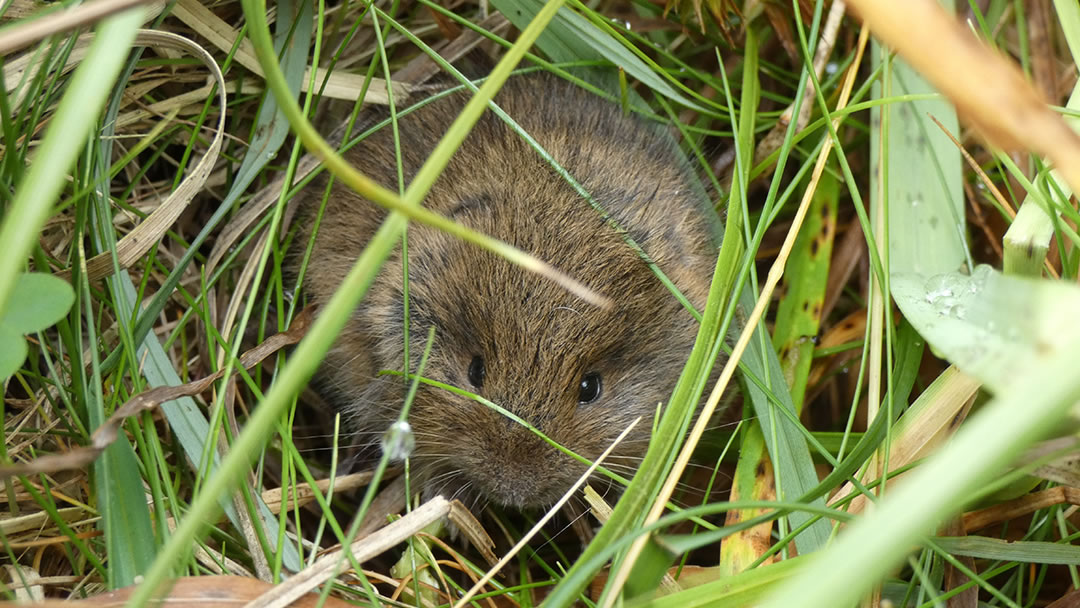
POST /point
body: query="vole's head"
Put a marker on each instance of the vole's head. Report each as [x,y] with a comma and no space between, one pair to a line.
[577,372]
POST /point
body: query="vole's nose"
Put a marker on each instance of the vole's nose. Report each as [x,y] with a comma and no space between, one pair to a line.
[523,470]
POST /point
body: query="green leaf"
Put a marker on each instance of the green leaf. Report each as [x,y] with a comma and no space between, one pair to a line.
[125,516]
[39,300]
[649,569]
[572,37]
[1029,552]
[709,587]
[994,327]
[12,351]
[922,168]
[798,315]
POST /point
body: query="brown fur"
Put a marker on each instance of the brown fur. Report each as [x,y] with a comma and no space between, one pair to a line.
[537,341]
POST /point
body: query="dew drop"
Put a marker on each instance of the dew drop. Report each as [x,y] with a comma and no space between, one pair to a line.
[398,442]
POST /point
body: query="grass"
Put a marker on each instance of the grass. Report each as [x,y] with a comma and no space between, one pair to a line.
[826,211]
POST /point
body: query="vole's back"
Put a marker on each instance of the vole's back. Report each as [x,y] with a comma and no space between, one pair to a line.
[579,373]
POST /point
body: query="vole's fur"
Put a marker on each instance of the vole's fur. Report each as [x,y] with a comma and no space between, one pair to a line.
[536,341]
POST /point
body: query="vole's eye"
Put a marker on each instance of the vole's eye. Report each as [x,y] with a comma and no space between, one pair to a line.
[589,389]
[476,371]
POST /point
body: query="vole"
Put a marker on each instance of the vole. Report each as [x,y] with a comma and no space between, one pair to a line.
[578,372]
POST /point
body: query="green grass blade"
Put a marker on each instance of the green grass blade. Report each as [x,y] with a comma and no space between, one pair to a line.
[783,434]
[1033,552]
[129,538]
[1028,238]
[921,175]
[189,425]
[742,589]
[797,321]
[766,388]
[798,315]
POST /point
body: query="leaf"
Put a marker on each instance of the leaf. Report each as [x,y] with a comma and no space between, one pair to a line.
[129,537]
[571,37]
[923,166]
[798,315]
[39,300]
[649,569]
[12,351]
[1031,552]
[994,327]
[710,587]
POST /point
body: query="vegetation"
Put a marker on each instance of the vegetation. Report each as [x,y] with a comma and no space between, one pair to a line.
[898,285]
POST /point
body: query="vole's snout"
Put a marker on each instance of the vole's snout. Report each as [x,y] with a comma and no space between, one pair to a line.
[520,470]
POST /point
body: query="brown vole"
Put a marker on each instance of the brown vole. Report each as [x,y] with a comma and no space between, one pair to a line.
[579,373]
